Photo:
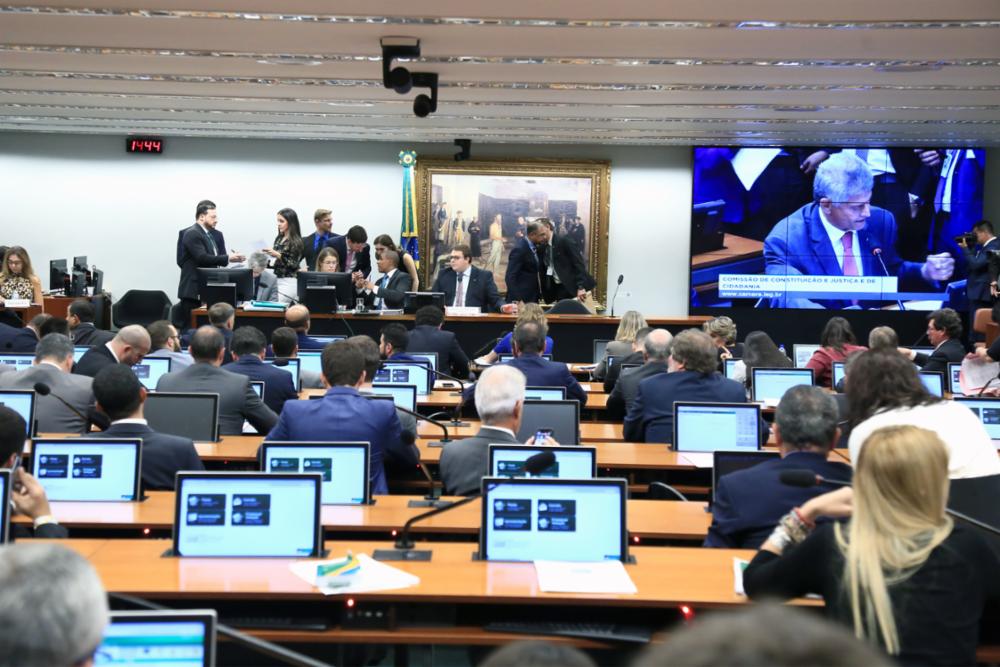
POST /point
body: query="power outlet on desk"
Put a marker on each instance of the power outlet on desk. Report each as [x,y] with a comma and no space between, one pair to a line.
[370,616]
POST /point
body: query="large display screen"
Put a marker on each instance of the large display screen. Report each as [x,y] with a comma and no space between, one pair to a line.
[834,228]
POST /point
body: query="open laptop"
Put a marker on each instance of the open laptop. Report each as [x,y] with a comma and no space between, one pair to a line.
[345,467]
[430,357]
[5,505]
[258,388]
[770,384]
[310,360]
[503,358]
[724,463]
[159,639]
[703,428]
[85,469]
[803,353]
[988,412]
[954,381]
[326,339]
[838,373]
[570,463]
[600,349]
[729,367]
[563,417]
[79,351]
[248,514]
[289,366]
[527,519]
[21,401]
[545,393]
[933,381]
[150,370]
[19,360]
[191,415]
[406,372]
[403,395]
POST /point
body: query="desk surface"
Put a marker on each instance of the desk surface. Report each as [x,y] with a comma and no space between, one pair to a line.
[618,455]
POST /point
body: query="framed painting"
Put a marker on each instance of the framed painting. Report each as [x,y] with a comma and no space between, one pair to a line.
[486,204]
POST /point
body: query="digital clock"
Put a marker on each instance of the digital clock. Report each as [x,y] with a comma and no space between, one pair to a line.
[143,144]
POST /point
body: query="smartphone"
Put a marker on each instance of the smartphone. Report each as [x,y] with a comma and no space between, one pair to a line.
[541,434]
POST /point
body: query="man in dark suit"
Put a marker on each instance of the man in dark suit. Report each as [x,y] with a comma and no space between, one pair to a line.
[265,283]
[298,318]
[237,400]
[249,345]
[353,253]
[691,376]
[120,396]
[478,287]
[200,245]
[80,314]
[394,341]
[566,271]
[613,371]
[526,264]
[27,496]
[128,347]
[26,338]
[427,336]
[840,234]
[389,291]
[944,331]
[749,503]
[655,353]
[312,244]
[977,283]
[500,403]
[344,414]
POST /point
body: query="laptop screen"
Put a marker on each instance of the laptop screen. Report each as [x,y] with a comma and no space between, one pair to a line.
[326,339]
[838,372]
[21,401]
[570,463]
[79,351]
[545,393]
[194,416]
[430,357]
[563,417]
[403,395]
[803,353]
[81,469]
[289,366]
[933,381]
[258,387]
[726,462]
[708,427]
[159,639]
[954,383]
[770,384]
[552,519]
[344,466]
[503,358]
[988,411]
[247,514]
[4,506]
[729,368]
[401,372]
[18,360]
[150,369]
[311,361]
[600,349]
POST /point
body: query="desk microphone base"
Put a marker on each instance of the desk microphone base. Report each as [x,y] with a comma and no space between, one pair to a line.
[402,554]
[428,502]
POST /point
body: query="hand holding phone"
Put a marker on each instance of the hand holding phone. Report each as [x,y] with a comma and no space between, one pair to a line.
[542,436]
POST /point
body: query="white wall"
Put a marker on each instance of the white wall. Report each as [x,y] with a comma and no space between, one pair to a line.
[66,195]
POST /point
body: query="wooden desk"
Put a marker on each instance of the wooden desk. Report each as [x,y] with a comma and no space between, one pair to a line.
[614,455]
[450,399]
[589,431]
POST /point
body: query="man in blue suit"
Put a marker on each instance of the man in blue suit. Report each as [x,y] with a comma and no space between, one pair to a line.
[249,345]
[749,503]
[479,290]
[344,415]
[525,265]
[298,318]
[841,234]
[691,376]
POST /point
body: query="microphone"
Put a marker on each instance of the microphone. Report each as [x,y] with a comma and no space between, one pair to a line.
[456,416]
[43,389]
[878,254]
[621,278]
[440,443]
[487,347]
[404,550]
[291,298]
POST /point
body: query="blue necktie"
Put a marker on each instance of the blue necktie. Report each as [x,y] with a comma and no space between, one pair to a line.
[381,286]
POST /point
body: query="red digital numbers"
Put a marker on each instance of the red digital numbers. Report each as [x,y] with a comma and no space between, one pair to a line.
[144,145]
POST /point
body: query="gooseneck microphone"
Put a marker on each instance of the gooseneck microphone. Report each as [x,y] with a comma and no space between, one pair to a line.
[456,416]
[621,278]
[43,389]
[878,255]
[440,443]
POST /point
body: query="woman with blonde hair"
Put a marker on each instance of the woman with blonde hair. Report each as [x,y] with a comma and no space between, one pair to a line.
[621,346]
[529,312]
[899,572]
[17,278]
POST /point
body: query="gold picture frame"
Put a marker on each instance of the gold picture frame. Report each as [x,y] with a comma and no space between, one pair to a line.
[518,191]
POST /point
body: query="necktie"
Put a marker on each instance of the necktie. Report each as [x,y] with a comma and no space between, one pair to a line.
[350,260]
[211,242]
[460,292]
[318,241]
[381,286]
[850,266]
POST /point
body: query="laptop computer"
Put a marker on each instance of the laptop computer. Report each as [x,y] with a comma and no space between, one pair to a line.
[729,367]
[709,427]
[724,462]
[838,373]
[570,463]
[545,393]
[345,467]
[258,388]
[21,401]
[85,469]
[5,476]
[933,381]
[503,358]
[19,360]
[802,353]
[403,395]
[527,519]
[150,370]
[325,339]
[988,412]
[79,351]
[159,638]
[289,366]
[310,360]
[954,381]
[255,514]
[191,415]
[431,357]
[406,372]
[563,417]
[600,349]
[770,384]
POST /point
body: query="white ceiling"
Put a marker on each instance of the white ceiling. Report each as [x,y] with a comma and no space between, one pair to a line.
[560,71]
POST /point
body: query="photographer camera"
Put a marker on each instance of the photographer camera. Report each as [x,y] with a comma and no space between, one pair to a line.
[980,247]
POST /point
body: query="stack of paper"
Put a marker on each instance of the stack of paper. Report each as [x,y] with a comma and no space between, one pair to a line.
[607,576]
[373,576]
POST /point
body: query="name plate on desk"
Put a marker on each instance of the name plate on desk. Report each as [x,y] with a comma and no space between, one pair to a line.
[463,311]
[17,303]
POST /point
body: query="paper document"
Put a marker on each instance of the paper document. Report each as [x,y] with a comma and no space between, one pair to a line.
[975,374]
[698,459]
[373,576]
[608,576]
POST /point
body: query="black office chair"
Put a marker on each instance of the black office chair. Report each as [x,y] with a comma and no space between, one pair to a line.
[977,498]
[140,307]
[569,307]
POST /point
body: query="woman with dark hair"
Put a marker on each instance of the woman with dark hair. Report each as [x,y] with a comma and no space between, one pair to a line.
[759,351]
[384,242]
[884,389]
[838,341]
[287,252]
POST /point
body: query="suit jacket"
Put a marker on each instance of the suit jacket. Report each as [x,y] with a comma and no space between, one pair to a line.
[343,414]
[614,373]
[651,417]
[195,251]
[481,290]
[52,415]
[362,260]
[163,456]
[94,360]
[308,343]
[279,385]
[749,503]
[464,462]
[625,390]
[309,253]
[451,357]
[47,531]
[267,287]
[799,245]
[541,372]
[950,350]
[237,400]
[522,276]
[24,340]
[7,334]
[568,264]
[87,334]
[977,284]
[394,293]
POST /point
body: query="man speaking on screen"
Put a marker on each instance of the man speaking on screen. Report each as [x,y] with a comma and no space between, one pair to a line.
[841,234]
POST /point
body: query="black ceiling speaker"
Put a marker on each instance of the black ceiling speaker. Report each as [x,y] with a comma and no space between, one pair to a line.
[464,149]
[424,105]
[398,78]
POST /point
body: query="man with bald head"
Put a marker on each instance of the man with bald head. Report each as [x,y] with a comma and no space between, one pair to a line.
[128,347]
[655,352]
[390,290]
[297,317]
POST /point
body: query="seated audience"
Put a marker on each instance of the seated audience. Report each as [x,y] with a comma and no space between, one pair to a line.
[373,360]
[54,608]
[529,337]
[18,279]
[635,356]
[27,495]
[691,376]
[249,346]
[52,366]
[265,283]
[722,329]
[166,343]
[384,243]
[237,400]
[749,503]
[837,342]
[479,289]
[297,317]
[427,335]
[535,653]
[81,314]
[388,291]
[344,415]
[285,345]
[621,346]
[393,342]
[24,339]
[759,351]
[900,572]
[327,262]
[499,402]
[121,396]
[944,331]
[655,350]
[129,346]
[883,339]
[529,312]
[53,325]
[884,389]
